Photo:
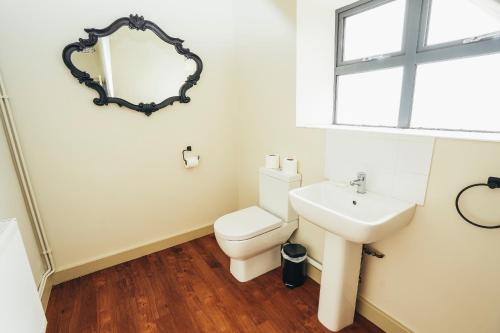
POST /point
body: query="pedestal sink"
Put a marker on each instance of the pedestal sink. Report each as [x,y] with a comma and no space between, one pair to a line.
[350,220]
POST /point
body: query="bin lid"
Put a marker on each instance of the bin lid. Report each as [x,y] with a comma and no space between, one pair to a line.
[294,250]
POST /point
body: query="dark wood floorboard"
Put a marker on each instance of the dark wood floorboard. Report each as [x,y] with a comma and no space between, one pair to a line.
[187,288]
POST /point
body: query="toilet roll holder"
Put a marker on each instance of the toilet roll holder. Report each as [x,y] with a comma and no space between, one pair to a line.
[188,148]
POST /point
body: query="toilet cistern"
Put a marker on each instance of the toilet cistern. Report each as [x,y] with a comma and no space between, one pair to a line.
[360,182]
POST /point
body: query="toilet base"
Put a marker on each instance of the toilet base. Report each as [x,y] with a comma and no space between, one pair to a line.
[248,269]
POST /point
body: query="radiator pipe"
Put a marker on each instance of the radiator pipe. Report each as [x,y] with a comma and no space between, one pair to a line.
[25,183]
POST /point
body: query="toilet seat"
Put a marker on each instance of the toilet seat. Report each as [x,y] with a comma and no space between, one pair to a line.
[246,223]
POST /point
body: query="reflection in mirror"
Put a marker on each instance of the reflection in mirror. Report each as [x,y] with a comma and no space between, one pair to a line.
[141,68]
[134,65]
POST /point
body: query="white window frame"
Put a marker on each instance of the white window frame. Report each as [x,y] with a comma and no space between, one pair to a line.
[414,52]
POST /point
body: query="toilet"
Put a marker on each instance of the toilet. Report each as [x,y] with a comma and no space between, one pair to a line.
[252,237]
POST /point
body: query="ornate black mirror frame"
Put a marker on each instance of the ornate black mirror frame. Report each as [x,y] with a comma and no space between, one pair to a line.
[133,22]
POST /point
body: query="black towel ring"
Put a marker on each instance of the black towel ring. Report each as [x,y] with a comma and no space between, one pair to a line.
[492,184]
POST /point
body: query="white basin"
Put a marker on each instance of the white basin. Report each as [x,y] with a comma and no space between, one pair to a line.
[360,218]
[349,219]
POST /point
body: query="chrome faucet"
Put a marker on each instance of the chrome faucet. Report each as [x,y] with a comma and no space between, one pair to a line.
[360,183]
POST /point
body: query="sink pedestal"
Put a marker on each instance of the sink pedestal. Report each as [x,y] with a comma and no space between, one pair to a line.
[350,220]
[339,282]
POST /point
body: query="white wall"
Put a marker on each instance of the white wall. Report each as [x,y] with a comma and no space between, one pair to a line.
[108,178]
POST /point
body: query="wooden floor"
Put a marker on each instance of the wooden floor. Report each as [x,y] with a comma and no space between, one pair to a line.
[187,288]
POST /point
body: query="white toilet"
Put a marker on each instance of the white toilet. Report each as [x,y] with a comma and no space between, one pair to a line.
[252,237]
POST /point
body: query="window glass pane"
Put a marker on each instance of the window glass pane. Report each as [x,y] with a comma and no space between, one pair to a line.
[459,19]
[458,94]
[375,31]
[370,98]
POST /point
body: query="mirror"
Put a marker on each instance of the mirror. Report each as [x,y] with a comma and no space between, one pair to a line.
[141,68]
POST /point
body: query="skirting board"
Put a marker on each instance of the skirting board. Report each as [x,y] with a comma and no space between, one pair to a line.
[367,309]
[46,292]
[127,255]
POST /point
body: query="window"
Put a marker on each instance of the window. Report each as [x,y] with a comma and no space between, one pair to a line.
[380,90]
[365,37]
[422,64]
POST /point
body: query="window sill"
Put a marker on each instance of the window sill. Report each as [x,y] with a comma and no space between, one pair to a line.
[459,135]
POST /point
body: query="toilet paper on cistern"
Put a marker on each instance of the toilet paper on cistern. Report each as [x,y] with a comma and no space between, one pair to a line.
[289,166]
[272,161]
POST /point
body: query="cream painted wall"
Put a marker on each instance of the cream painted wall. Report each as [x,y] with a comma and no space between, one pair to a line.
[439,259]
[266,82]
[315,50]
[108,179]
[439,274]
[266,112]
[12,205]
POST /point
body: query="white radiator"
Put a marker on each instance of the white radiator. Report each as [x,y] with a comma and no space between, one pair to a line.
[20,307]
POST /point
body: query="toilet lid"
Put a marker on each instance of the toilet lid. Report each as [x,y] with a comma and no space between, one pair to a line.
[246,223]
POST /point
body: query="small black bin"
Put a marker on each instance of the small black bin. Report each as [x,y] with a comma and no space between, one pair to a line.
[294,264]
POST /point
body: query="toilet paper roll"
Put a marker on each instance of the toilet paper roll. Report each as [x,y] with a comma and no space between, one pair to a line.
[192,162]
[289,166]
[272,161]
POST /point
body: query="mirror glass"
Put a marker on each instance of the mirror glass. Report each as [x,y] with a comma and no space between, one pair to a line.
[136,66]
